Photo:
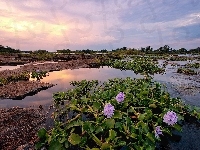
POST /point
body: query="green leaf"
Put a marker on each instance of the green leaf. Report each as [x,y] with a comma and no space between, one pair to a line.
[166,130]
[132,109]
[141,117]
[42,133]
[74,107]
[128,120]
[125,127]
[152,106]
[178,127]
[78,123]
[118,125]
[149,147]
[74,139]
[105,146]
[117,114]
[55,145]
[66,144]
[151,136]
[83,141]
[92,128]
[121,143]
[133,135]
[112,134]
[96,106]
[98,142]
[110,123]
[62,140]
[98,129]
[86,126]
[39,145]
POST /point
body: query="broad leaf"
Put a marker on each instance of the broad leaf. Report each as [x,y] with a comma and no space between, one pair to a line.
[74,139]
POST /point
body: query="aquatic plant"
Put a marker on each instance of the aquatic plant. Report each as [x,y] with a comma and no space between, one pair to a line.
[120,97]
[193,65]
[38,74]
[170,118]
[142,65]
[108,110]
[158,131]
[187,71]
[93,118]
[23,76]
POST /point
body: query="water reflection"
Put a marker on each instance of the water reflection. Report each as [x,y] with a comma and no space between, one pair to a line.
[62,79]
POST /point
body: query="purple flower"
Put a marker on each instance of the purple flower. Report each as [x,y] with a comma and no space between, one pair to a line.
[108,110]
[37,71]
[120,97]
[170,118]
[158,131]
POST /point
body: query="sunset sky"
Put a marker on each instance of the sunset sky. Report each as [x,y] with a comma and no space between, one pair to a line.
[99,24]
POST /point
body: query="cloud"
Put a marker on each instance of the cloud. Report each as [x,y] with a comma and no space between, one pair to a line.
[77,24]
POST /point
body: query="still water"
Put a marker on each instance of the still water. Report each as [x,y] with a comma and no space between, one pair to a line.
[62,79]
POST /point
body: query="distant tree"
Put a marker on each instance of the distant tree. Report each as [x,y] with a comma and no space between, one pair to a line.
[124,48]
[148,49]
[104,51]
[64,51]
[182,51]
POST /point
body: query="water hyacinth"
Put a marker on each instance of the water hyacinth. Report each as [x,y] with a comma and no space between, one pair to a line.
[120,97]
[170,118]
[109,110]
[158,131]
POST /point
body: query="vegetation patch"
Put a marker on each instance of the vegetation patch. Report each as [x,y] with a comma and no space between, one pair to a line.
[141,65]
[187,71]
[193,65]
[121,113]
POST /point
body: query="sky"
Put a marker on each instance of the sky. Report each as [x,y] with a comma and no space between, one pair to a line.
[99,24]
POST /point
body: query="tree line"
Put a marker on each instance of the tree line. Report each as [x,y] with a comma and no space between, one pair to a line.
[166,49]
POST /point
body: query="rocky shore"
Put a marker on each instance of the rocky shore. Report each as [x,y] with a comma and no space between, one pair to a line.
[19,89]
[72,64]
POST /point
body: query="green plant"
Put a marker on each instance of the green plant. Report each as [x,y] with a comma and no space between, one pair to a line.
[14,78]
[38,74]
[193,65]
[144,66]
[136,120]
[186,71]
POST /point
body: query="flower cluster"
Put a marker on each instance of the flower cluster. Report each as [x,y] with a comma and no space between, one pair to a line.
[108,110]
[158,131]
[170,118]
[120,97]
